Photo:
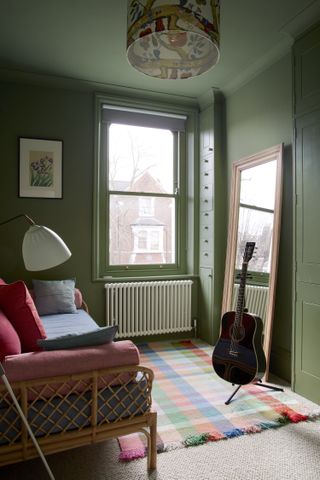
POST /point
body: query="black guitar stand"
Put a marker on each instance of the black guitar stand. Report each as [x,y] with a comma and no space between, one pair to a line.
[259,384]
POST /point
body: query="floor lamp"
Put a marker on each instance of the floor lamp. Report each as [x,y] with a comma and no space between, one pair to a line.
[41,249]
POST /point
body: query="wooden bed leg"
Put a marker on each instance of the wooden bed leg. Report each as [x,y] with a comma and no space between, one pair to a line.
[152,452]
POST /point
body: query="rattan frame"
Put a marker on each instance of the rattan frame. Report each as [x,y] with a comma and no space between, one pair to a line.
[68,391]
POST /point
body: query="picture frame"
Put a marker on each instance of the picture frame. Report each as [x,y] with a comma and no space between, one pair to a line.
[40,168]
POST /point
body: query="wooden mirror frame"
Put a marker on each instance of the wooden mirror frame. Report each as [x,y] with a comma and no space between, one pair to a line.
[270,154]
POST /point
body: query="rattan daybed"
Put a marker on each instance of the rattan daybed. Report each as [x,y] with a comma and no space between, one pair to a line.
[87,395]
[74,410]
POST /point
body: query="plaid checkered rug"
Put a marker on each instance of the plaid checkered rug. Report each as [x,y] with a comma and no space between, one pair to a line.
[189,398]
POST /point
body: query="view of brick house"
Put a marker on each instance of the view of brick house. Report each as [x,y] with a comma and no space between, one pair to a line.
[141,226]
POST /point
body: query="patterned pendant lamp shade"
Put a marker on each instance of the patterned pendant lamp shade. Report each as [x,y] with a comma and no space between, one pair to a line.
[173,39]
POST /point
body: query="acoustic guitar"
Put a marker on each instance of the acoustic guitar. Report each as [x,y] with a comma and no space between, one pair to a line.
[238,356]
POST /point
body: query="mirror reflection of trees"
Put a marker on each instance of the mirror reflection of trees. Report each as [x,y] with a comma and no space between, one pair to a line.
[256,211]
[255,226]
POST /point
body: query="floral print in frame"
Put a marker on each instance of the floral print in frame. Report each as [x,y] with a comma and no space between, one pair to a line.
[40,168]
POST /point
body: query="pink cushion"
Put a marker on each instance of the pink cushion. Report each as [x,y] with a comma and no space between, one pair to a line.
[9,339]
[18,306]
[77,296]
[2,282]
[33,365]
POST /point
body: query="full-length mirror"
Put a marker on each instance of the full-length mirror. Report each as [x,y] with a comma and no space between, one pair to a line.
[255,209]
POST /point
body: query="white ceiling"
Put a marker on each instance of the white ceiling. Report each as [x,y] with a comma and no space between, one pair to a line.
[86,39]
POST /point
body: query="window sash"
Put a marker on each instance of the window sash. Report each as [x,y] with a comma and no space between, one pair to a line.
[177,140]
[175,197]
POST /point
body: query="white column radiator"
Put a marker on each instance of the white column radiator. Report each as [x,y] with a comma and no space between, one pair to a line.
[255,299]
[146,308]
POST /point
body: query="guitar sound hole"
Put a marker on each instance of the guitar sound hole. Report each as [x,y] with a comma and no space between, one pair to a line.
[237,333]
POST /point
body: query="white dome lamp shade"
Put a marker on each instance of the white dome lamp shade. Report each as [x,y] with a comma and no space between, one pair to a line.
[42,248]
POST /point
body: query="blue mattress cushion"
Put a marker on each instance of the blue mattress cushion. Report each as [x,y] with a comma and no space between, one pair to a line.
[75,340]
[58,325]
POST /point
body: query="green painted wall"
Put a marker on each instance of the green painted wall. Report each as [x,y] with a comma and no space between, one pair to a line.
[258,116]
[55,113]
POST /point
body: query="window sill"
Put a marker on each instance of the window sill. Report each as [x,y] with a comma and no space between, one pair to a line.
[144,278]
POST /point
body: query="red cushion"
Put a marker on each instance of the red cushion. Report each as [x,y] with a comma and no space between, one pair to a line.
[18,306]
[9,339]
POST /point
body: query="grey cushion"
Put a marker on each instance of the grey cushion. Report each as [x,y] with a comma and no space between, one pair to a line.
[94,337]
[54,296]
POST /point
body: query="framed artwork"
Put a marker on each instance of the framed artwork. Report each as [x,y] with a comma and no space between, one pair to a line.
[40,168]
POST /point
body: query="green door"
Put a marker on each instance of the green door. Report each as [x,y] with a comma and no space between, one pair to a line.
[307,308]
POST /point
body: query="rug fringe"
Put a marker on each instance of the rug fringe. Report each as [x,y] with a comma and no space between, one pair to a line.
[235,432]
[271,424]
[170,446]
[253,429]
[194,440]
[133,454]
[286,416]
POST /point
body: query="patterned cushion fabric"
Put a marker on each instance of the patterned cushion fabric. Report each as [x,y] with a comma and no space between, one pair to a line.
[94,337]
[54,296]
[18,306]
[9,339]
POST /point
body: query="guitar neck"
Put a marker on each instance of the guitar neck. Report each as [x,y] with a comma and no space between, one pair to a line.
[241,294]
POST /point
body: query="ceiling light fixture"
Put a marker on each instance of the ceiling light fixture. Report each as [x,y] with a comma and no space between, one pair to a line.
[173,39]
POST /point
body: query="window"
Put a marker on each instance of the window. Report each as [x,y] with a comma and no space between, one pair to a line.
[150,240]
[140,209]
[141,240]
[156,238]
[142,193]
[146,207]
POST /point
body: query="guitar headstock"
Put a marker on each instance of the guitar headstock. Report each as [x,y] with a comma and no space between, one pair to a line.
[248,252]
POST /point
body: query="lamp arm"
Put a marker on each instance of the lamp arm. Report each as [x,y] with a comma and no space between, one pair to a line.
[29,220]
